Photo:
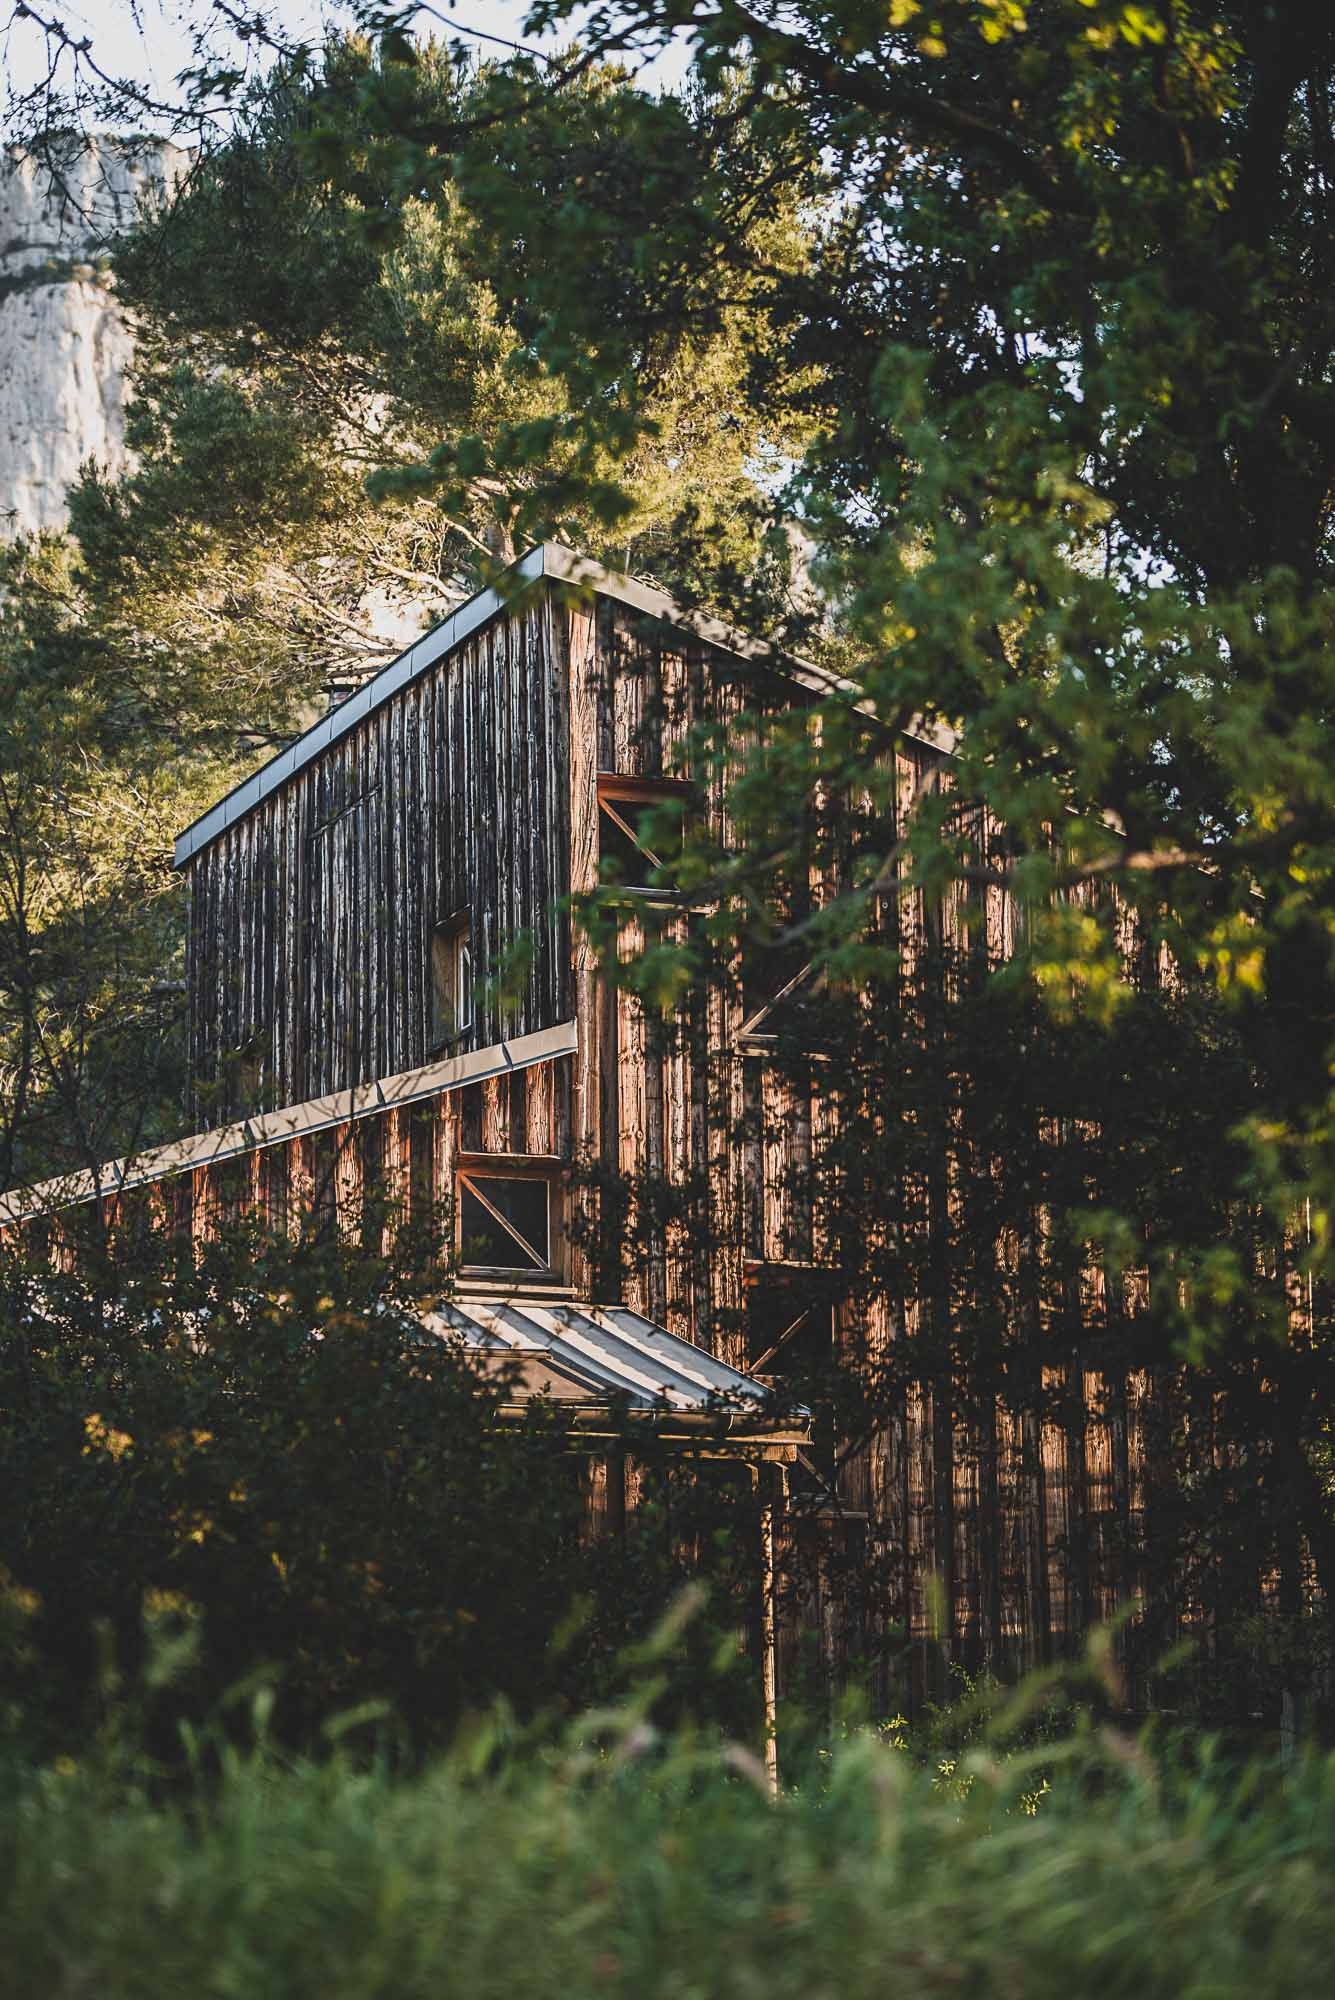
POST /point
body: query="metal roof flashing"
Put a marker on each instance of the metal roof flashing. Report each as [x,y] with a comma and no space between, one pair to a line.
[548,560]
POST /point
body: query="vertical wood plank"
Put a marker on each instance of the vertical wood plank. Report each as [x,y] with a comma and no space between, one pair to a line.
[577,637]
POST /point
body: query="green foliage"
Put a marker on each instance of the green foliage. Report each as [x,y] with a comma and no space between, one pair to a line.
[1042,1208]
[615,1862]
[99,765]
[328,255]
[343,421]
[1059,344]
[265,1458]
[985,1722]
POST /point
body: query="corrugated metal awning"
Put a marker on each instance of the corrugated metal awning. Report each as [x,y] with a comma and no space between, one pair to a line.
[594,1357]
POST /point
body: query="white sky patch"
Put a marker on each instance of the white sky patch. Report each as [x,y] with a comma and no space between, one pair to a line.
[149,42]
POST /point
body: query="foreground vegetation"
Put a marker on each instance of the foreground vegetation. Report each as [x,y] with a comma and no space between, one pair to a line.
[614,1863]
[255,1461]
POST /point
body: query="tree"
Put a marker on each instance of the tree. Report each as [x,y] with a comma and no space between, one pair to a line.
[321,317]
[334,428]
[1064,346]
[93,780]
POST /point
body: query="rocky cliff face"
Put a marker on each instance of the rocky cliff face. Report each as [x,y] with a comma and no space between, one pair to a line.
[64,345]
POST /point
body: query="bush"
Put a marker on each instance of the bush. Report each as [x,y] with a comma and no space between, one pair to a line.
[259,1455]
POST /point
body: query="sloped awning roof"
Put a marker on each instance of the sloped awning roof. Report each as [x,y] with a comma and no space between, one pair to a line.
[587,1360]
[289,1121]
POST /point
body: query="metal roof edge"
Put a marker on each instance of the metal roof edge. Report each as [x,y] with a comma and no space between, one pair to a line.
[626,1359]
[549,560]
[293,1121]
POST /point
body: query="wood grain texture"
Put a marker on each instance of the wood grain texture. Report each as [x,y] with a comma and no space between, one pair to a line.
[311,918]
[999,1522]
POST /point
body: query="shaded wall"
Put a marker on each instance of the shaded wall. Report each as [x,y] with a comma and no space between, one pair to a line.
[311,918]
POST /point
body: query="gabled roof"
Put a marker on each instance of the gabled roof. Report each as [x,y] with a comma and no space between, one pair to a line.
[549,559]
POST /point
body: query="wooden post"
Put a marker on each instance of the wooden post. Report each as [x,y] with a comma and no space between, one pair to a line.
[771,1478]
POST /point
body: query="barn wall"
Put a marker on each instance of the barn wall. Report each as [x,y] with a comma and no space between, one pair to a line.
[660,1102]
[999,1528]
[311,917]
[998,1531]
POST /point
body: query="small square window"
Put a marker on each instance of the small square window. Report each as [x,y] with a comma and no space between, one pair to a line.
[634,843]
[789,1324]
[787,1013]
[451,982]
[506,1219]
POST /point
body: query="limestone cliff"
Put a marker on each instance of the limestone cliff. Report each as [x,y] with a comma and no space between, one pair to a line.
[64,344]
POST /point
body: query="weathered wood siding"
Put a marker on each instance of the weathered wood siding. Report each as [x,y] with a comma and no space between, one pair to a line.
[312,917]
[1000,1525]
[400,1162]
[657,1105]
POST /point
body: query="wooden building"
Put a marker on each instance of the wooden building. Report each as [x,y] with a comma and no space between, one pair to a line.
[388,990]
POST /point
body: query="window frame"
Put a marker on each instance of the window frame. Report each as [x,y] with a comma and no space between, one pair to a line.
[790,1275]
[752,1038]
[615,789]
[546,1168]
[453,938]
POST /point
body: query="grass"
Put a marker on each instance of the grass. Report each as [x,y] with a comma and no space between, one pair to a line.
[641,1868]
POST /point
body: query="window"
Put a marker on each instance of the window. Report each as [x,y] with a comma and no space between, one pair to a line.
[451,981]
[789,1325]
[780,986]
[506,1218]
[786,1013]
[791,1344]
[633,840]
[781,1005]
[252,1072]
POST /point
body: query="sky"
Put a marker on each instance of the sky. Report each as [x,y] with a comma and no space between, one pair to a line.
[149,41]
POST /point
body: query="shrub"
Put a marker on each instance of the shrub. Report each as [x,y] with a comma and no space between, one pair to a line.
[261,1455]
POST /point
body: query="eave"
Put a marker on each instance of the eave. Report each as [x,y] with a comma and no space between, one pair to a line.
[293,1121]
